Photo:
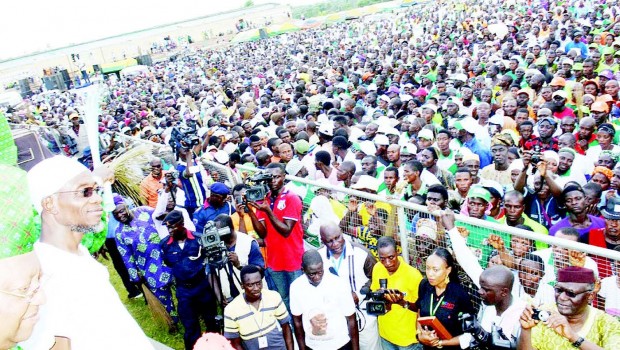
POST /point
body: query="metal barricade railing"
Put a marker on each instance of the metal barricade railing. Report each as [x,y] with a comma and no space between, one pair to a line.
[402,217]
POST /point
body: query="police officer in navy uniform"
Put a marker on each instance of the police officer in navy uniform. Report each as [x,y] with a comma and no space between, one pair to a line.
[215,205]
[182,252]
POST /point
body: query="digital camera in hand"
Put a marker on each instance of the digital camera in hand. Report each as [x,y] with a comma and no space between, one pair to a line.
[536,155]
[214,247]
[540,315]
[258,186]
[496,339]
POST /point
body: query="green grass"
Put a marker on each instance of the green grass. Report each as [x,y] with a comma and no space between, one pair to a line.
[141,313]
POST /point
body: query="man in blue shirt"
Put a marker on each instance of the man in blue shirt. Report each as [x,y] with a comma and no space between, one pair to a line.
[215,205]
[577,44]
[467,136]
[191,178]
[184,255]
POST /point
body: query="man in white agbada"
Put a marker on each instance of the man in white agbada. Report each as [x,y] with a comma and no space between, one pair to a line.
[81,303]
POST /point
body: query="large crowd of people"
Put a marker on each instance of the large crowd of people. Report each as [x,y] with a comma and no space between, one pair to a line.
[501,111]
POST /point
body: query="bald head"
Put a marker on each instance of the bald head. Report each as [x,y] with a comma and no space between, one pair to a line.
[348,166]
[587,122]
[499,276]
[516,195]
[567,140]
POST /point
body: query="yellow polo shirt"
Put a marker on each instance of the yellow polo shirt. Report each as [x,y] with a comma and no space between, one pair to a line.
[398,326]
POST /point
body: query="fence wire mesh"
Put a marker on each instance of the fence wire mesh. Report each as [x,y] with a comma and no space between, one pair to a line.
[476,244]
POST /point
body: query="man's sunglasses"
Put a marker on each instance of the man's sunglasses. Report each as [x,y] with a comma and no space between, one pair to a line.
[87,192]
[569,293]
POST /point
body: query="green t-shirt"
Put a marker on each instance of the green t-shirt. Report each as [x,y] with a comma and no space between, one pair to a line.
[535,226]
[447,163]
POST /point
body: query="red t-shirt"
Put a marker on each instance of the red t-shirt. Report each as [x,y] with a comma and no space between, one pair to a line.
[284,254]
[567,112]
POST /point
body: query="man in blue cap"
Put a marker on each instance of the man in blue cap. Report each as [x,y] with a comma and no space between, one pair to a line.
[215,205]
[181,251]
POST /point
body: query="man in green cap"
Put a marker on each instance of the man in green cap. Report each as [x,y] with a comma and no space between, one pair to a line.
[20,270]
[477,203]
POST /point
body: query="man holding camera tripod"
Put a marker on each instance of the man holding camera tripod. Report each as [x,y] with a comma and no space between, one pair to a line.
[183,253]
[278,221]
[242,250]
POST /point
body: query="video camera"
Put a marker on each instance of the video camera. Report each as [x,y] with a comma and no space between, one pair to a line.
[258,186]
[378,305]
[183,138]
[211,242]
[496,339]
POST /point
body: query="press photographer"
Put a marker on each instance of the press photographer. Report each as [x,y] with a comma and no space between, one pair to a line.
[195,299]
[397,327]
[278,220]
[192,174]
[497,324]
[226,260]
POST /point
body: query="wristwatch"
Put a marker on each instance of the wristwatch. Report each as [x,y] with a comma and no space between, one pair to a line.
[578,342]
[440,346]
[406,306]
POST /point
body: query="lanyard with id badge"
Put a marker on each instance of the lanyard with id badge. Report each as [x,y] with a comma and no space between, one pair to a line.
[262,340]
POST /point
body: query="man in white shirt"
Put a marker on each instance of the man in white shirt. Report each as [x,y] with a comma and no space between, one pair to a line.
[501,310]
[556,257]
[353,264]
[81,303]
[322,308]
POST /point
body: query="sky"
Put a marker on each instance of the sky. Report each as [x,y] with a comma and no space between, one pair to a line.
[35,25]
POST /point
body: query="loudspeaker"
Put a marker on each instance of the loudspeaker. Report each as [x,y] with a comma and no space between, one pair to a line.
[60,81]
[49,82]
[263,34]
[66,77]
[24,88]
[145,60]
[30,151]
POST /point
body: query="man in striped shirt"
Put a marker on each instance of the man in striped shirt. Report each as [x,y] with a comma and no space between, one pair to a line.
[257,318]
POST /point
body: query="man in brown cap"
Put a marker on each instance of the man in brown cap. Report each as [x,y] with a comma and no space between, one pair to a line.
[575,324]
[498,171]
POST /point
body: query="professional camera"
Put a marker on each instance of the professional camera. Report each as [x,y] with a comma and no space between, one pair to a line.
[258,186]
[377,305]
[185,138]
[496,339]
[211,242]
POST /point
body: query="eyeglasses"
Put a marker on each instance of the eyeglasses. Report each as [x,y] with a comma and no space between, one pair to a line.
[87,192]
[31,293]
[569,293]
